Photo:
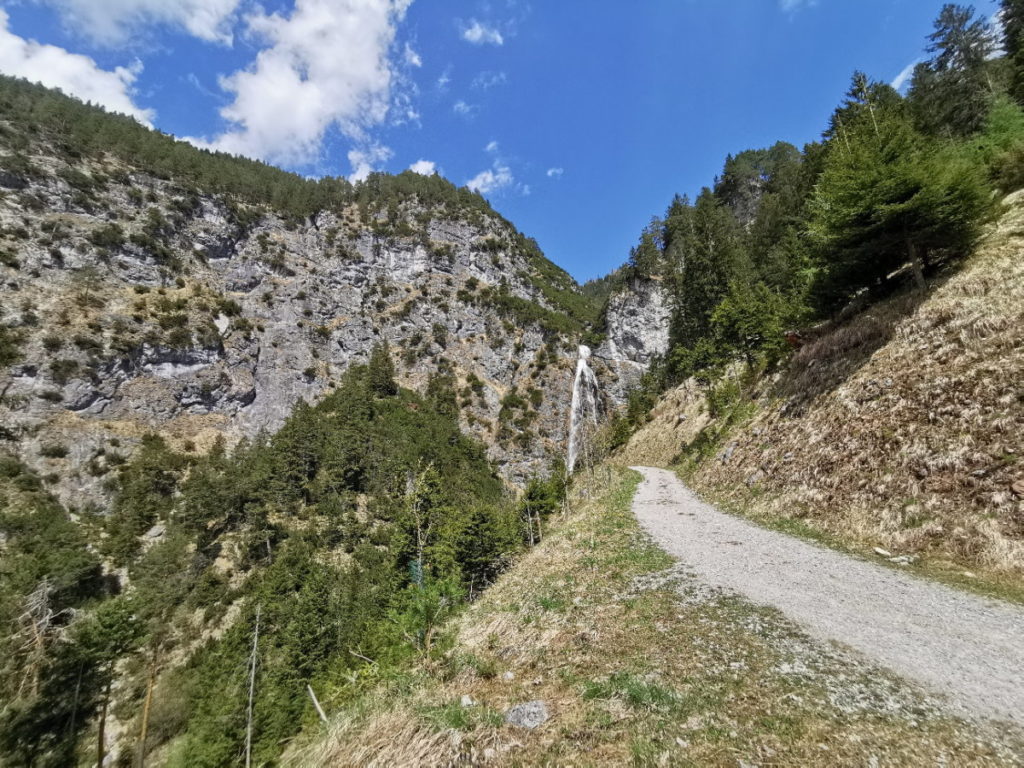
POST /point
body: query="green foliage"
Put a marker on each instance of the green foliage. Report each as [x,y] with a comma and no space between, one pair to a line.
[1013,44]
[897,187]
[335,584]
[952,92]
[703,246]
[749,320]
[107,236]
[10,346]
[381,371]
[47,573]
[145,488]
[888,196]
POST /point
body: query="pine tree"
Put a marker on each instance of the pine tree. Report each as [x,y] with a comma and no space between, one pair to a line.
[1013,45]
[888,196]
[381,372]
[952,93]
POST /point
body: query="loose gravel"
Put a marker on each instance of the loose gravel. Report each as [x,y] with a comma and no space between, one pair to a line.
[966,648]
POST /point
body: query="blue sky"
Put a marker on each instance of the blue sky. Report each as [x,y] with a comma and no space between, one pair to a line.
[578,120]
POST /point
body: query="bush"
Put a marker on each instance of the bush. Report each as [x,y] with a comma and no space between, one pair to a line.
[63,370]
[10,346]
[110,236]
[53,451]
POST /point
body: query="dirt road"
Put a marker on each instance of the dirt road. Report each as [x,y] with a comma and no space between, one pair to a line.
[969,649]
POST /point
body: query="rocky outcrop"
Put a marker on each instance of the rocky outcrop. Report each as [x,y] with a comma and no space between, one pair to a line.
[637,322]
[148,307]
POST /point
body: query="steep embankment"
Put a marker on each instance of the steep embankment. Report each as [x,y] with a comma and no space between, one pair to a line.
[901,428]
[584,653]
[147,286]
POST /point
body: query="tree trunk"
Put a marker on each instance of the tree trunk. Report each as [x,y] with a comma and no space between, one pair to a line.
[100,734]
[252,690]
[147,704]
[916,265]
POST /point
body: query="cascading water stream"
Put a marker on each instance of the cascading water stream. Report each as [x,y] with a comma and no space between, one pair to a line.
[583,415]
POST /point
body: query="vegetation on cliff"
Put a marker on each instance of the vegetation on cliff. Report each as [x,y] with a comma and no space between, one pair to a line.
[347,538]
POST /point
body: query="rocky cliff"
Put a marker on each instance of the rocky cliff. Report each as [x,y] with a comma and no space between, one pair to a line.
[637,318]
[134,303]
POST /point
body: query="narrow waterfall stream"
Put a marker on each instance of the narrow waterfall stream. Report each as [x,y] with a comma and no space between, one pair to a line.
[583,415]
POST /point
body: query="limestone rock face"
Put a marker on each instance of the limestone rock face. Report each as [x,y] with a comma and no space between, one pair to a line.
[638,317]
[152,308]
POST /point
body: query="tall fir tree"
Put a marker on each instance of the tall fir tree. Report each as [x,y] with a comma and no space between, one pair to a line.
[888,196]
[1012,18]
[951,93]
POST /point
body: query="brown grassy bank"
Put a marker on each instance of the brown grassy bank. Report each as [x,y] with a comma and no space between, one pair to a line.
[903,428]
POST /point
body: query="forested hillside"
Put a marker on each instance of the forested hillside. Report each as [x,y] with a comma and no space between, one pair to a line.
[333,549]
[207,456]
[262,437]
[896,192]
[845,337]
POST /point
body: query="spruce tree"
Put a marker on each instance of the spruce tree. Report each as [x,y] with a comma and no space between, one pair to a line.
[888,196]
[1013,44]
[952,93]
[381,372]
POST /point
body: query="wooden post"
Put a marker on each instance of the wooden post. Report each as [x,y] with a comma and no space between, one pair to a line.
[252,690]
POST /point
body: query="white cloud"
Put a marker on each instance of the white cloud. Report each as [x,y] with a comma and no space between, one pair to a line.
[493,179]
[462,108]
[444,80]
[114,22]
[327,64]
[492,146]
[412,58]
[424,167]
[487,80]
[480,34]
[367,160]
[795,5]
[555,173]
[74,74]
[904,76]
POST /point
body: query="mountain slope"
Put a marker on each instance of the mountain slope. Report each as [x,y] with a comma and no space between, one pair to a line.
[901,428]
[150,286]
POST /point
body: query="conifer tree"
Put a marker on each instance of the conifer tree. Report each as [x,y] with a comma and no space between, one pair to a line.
[952,93]
[704,249]
[381,372]
[1013,44]
[888,196]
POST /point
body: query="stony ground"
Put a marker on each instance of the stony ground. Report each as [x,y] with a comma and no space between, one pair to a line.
[965,647]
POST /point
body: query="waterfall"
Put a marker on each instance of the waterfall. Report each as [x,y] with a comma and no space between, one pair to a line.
[583,416]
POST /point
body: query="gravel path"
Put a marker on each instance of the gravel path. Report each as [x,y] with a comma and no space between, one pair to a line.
[970,649]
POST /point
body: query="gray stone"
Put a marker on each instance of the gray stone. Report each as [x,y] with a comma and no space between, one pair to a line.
[529,715]
[244,373]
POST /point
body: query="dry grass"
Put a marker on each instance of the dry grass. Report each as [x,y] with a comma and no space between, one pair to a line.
[632,673]
[903,428]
